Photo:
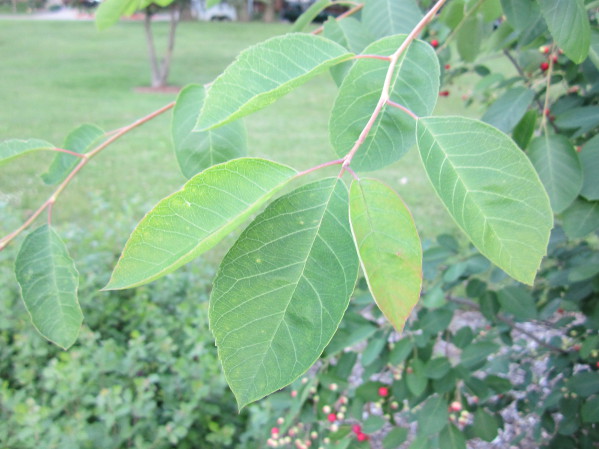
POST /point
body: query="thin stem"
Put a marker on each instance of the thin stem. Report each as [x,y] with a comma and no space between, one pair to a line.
[62,150]
[403,108]
[520,71]
[318,167]
[509,322]
[347,13]
[353,173]
[85,158]
[546,102]
[50,212]
[384,58]
[393,59]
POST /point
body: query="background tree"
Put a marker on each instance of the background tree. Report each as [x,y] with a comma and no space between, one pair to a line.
[110,11]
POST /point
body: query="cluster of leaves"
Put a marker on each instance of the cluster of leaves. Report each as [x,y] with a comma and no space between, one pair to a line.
[466,363]
[141,375]
[457,374]
[282,290]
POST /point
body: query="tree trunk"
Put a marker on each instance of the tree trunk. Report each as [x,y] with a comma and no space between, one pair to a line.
[154,67]
[243,12]
[168,56]
[161,69]
[269,11]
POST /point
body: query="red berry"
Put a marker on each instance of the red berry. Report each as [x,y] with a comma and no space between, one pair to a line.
[554,59]
[544,66]
[383,392]
[560,310]
[435,43]
[274,430]
[362,436]
[444,93]
[447,67]
[597,364]
[332,417]
[455,406]
[576,347]
[356,428]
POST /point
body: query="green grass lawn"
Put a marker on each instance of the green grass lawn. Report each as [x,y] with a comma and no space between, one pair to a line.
[57,75]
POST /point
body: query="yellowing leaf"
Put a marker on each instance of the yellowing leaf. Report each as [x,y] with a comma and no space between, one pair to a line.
[389,248]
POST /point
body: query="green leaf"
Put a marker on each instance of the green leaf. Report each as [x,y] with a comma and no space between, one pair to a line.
[584,383]
[485,425]
[49,281]
[589,158]
[437,368]
[594,48]
[491,190]
[581,218]
[569,25]
[521,14]
[353,329]
[433,416]
[415,378]
[13,148]
[191,221]
[250,83]
[350,33]
[491,10]
[395,438]
[469,37]
[373,423]
[196,151]
[477,353]
[505,113]
[389,248]
[421,442]
[80,140]
[282,289]
[374,349]
[400,351]
[415,85]
[582,119]
[452,438]
[525,129]
[590,410]
[110,11]
[557,164]
[388,17]
[211,3]
[309,15]
[452,13]
[518,302]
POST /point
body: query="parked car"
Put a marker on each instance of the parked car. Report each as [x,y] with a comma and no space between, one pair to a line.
[292,9]
[221,12]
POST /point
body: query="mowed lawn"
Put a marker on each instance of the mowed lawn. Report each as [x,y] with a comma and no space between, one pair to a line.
[55,76]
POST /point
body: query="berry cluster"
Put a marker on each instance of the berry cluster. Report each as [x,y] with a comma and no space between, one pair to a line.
[330,407]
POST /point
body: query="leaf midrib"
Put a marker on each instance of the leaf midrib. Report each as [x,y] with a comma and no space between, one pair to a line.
[299,277]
